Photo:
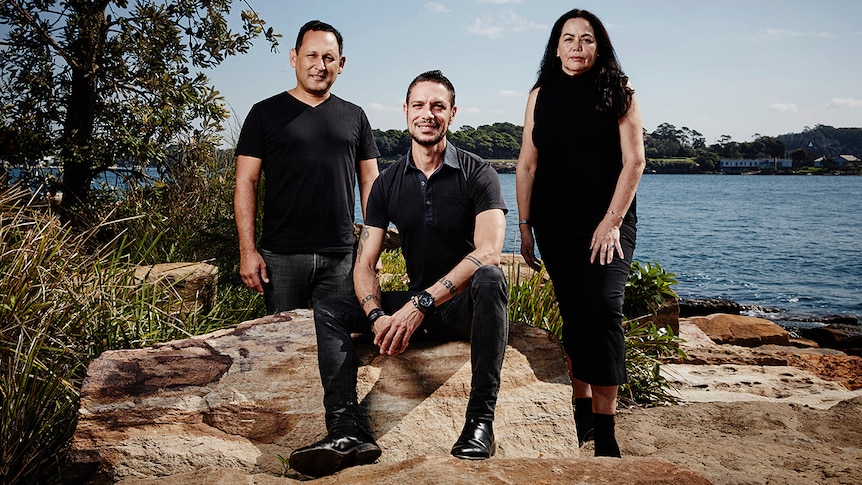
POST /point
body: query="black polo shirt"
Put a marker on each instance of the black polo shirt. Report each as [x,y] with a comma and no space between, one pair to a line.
[435,217]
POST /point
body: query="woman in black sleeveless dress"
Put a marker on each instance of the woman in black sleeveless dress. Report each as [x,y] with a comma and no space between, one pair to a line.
[581,159]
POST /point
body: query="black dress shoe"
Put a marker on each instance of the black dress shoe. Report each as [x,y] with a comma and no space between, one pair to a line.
[476,441]
[338,450]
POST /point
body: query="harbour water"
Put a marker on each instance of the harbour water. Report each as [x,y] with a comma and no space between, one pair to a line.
[792,243]
[786,242]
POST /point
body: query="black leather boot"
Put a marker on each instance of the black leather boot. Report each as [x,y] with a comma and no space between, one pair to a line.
[476,441]
[338,450]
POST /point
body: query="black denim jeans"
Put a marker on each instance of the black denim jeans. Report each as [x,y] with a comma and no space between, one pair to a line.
[477,314]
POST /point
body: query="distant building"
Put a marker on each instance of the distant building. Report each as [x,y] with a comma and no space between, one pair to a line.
[751,165]
[847,161]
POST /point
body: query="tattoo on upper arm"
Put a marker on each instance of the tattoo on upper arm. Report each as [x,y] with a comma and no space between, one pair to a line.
[361,243]
[448,284]
[473,260]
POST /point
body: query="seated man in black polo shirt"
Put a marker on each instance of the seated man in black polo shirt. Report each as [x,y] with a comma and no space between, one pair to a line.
[450,213]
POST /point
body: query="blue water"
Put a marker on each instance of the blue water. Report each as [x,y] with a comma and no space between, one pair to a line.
[792,243]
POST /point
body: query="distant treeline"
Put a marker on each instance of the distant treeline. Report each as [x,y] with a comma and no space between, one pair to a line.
[502,141]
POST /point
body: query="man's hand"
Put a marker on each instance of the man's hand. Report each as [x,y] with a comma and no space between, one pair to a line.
[252,270]
[392,333]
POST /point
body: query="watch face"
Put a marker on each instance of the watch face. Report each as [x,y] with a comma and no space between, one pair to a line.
[426,301]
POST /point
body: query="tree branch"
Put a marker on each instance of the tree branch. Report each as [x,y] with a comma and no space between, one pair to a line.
[39,30]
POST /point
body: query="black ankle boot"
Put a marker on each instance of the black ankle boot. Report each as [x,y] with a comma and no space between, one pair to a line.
[606,442]
[476,441]
[584,419]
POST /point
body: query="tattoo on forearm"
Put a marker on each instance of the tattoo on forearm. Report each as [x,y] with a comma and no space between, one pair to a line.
[448,284]
[369,298]
[473,260]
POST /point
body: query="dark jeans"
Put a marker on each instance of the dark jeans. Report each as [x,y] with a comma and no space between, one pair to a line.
[300,280]
[477,314]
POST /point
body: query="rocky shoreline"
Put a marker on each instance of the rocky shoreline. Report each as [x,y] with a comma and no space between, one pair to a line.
[835,331]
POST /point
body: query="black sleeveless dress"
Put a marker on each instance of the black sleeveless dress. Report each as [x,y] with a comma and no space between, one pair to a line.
[579,163]
[579,153]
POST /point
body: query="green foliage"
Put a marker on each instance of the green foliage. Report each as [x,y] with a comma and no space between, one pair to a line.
[101,83]
[671,165]
[533,301]
[647,288]
[68,295]
[393,275]
[646,344]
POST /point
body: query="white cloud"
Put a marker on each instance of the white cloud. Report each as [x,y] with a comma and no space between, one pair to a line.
[374,106]
[470,111]
[844,103]
[499,2]
[436,7]
[507,21]
[785,34]
[510,93]
[783,107]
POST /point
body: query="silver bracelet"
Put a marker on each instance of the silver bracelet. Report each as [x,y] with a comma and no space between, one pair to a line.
[615,214]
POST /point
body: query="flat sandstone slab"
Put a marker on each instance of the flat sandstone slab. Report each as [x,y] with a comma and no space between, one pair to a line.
[240,398]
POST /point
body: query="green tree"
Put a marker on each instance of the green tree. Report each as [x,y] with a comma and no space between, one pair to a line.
[94,83]
[799,157]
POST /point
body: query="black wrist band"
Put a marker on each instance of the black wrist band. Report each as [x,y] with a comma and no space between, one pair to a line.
[373,315]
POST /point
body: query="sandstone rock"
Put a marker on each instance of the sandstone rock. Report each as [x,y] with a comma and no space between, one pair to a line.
[240,398]
[451,471]
[741,330]
[516,270]
[667,316]
[710,372]
[194,284]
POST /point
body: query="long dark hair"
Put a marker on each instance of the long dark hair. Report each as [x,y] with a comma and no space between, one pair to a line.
[615,96]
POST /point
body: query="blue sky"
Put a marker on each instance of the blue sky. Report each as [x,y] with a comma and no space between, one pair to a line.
[735,67]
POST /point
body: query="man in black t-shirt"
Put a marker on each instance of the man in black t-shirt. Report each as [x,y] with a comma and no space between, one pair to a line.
[450,214]
[310,146]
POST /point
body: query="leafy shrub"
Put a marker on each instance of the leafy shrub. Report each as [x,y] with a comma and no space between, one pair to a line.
[647,289]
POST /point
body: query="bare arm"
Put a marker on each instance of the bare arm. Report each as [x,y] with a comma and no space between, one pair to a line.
[252,268]
[365,281]
[634,161]
[392,334]
[368,172]
[525,174]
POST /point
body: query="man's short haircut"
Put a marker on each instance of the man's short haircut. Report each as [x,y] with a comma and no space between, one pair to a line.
[317,25]
[433,76]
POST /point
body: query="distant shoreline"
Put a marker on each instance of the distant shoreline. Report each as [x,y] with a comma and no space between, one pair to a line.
[509,166]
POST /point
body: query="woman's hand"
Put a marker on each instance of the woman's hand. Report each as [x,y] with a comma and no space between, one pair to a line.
[606,240]
[527,247]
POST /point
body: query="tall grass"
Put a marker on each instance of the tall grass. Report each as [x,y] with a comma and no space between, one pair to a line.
[68,294]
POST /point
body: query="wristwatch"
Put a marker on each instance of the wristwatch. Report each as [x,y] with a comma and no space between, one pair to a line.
[424,302]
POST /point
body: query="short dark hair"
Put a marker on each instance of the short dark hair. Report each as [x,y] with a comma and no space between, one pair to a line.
[317,25]
[435,76]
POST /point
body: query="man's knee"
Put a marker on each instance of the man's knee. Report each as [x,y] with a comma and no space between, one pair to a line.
[332,312]
[489,281]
